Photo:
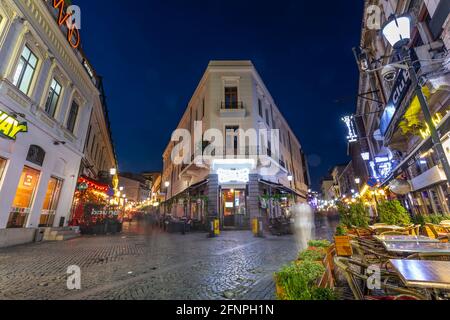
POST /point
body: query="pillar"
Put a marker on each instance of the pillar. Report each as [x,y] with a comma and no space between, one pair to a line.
[7,49]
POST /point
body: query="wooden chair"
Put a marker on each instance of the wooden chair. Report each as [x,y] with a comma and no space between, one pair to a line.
[414,230]
[355,274]
[372,254]
[364,233]
[437,232]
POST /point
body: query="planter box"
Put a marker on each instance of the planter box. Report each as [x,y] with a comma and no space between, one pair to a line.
[343,246]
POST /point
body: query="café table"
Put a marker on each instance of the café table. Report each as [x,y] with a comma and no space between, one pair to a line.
[417,239]
[423,274]
[381,226]
[418,247]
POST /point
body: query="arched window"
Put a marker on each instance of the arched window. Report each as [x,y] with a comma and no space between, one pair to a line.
[36,155]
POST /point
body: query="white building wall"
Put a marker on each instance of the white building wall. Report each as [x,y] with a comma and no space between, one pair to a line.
[24,22]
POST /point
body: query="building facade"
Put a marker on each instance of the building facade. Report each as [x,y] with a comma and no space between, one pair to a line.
[250,173]
[394,140]
[136,187]
[47,97]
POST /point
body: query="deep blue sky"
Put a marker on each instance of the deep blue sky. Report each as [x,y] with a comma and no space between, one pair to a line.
[152,55]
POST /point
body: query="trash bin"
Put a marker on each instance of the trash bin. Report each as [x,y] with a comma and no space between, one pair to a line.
[39,235]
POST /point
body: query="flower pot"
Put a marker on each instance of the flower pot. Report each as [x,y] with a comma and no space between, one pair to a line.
[343,246]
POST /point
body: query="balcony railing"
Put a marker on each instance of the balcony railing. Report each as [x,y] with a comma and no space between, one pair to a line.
[232,105]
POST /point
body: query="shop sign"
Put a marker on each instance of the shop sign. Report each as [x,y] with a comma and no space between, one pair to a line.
[399,91]
[73,32]
[10,127]
[239,175]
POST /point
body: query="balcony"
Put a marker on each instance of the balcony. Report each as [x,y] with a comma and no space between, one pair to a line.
[232,109]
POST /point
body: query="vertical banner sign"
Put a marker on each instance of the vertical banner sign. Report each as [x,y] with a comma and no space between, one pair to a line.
[350,123]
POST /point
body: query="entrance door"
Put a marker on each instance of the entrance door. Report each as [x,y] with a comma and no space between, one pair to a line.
[234,208]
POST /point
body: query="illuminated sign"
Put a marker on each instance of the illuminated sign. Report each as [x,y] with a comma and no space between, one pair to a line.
[227,176]
[73,32]
[350,123]
[401,86]
[426,133]
[10,127]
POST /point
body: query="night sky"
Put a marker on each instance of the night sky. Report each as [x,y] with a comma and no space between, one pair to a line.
[152,55]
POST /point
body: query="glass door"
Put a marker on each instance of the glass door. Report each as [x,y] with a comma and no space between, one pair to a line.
[234,207]
[24,198]
[50,203]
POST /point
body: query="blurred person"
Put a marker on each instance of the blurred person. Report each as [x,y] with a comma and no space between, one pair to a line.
[304,224]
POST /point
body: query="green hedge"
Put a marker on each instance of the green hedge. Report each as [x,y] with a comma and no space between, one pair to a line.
[393,213]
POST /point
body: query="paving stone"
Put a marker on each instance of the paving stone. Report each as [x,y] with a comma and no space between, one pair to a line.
[164,266]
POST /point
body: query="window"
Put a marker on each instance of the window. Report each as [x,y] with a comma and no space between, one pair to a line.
[24,198]
[232,139]
[88,137]
[203,108]
[260,109]
[25,70]
[231,98]
[53,98]
[267,117]
[2,167]
[50,203]
[72,120]
[93,145]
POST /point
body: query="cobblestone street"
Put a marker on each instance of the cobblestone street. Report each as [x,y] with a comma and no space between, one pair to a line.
[144,263]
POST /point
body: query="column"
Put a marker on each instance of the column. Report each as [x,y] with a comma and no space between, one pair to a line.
[7,49]
[65,103]
[213,195]
[36,210]
[253,197]
[42,80]
[10,183]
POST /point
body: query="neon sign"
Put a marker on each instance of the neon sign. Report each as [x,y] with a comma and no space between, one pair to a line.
[10,127]
[425,133]
[73,32]
[352,136]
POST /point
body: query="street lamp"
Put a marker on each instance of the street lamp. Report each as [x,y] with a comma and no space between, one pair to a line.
[397,32]
[113,171]
[357,181]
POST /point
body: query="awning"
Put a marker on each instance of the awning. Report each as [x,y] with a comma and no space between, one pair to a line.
[282,187]
[198,185]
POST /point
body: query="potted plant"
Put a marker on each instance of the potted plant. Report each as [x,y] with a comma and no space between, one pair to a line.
[299,281]
[342,242]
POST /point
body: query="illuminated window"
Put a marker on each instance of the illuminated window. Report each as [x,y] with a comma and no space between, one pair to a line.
[25,70]
[50,203]
[73,115]
[53,98]
[24,198]
[2,167]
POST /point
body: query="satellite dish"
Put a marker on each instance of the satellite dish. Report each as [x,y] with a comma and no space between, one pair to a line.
[400,187]
[378,136]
